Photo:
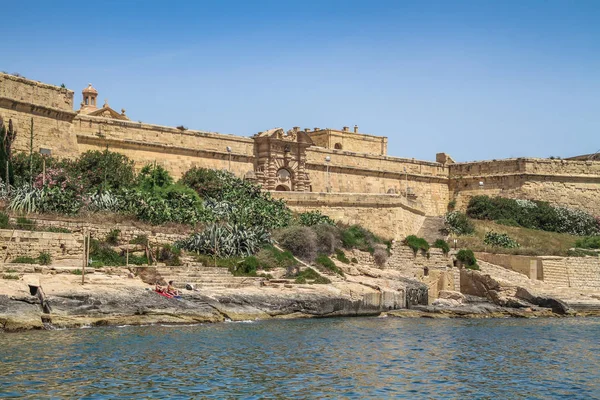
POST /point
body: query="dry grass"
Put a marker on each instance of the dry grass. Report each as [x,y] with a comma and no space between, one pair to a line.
[533,242]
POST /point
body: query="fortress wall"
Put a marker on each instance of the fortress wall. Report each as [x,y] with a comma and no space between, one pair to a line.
[51,108]
[363,173]
[388,216]
[32,92]
[574,184]
[350,141]
[175,150]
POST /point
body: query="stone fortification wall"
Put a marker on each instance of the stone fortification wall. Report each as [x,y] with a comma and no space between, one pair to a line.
[574,184]
[41,94]
[175,149]
[51,108]
[366,173]
[387,216]
[426,185]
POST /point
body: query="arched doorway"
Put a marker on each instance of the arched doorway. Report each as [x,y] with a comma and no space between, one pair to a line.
[282,188]
[338,146]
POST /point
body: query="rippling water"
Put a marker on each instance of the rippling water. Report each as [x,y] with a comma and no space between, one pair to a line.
[326,358]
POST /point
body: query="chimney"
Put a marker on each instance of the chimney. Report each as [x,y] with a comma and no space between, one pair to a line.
[345,129]
[317,129]
[306,129]
[296,128]
[355,128]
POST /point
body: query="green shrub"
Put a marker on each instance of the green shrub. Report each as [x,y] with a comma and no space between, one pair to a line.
[153,176]
[416,244]
[24,260]
[301,241]
[354,260]
[442,244]
[311,218]
[500,240]
[270,257]
[534,214]
[247,267]
[206,182]
[134,260]
[25,224]
[458,223]
[591,242]
[357,237]
[467,258]
[45,259]
[326,263]
[103,253]
[9,276]
[507,222]
[451,205]
[220,262]
[169,254]
[77,271]
[310,274]
[341,256]
[140,239]
[4,221]
[112,237]
[102,170]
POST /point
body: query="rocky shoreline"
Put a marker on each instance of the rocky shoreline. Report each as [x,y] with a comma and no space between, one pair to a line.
[140,306]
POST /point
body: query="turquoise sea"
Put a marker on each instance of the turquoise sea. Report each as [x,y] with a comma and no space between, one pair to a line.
[318,358]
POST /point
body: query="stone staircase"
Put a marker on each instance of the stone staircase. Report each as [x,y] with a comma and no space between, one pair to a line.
[432,229]
[556,273]
[201,276]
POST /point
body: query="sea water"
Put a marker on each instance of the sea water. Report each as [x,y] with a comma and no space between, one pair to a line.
[315,358]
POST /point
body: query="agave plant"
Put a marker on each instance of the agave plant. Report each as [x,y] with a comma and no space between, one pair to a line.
[27,199]
[105,201]
[227,240]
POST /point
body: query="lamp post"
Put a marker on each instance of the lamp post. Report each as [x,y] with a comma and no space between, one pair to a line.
[406,191]
[327,160]
[44,152]
[229,151]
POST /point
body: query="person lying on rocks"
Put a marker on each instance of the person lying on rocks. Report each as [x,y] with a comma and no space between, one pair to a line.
[159,289]
[171,289]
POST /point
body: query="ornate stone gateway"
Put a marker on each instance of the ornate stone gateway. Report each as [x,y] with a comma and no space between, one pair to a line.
[281,159]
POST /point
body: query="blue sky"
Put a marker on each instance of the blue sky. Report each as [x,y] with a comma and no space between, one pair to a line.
[475,79]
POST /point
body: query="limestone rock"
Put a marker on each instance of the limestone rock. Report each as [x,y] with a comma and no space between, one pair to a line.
[451,295]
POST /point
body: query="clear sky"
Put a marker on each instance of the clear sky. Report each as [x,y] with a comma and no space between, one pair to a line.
[475,79]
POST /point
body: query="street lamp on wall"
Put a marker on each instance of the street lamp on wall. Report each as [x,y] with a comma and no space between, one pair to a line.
[229,151]
[406,175]
[327,160]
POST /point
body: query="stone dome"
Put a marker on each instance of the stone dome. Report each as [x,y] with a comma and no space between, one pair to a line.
[90,89]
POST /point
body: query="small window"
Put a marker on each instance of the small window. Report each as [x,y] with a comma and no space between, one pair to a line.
[338,146]
[87,100]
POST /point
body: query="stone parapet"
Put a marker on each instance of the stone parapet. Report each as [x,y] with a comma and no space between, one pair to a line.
[388,216]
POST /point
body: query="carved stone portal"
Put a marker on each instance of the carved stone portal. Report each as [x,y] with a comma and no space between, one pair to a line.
[281,159]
